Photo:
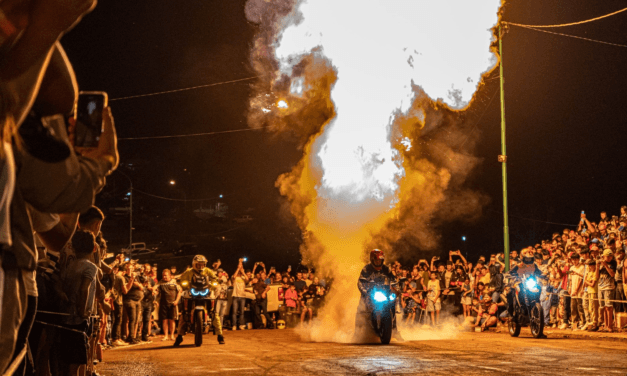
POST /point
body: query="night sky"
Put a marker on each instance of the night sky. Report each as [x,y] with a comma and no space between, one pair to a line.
[565,100]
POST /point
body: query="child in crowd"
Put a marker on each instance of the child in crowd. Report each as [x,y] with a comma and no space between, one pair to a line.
[433,299]
[466,297]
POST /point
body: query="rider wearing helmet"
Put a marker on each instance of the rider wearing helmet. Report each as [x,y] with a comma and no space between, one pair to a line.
[526,267]
[199,270]
[376,270]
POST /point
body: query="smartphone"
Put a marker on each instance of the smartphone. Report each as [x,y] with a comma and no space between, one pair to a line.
[583,212]
[88,116]
[244,259]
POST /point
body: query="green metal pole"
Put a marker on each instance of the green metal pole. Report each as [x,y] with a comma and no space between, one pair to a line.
[504,157]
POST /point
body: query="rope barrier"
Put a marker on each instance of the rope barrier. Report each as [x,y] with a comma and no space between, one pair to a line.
[183,89]
[572,23]
[61,327]
[572,36]
[63,314]
[582,297]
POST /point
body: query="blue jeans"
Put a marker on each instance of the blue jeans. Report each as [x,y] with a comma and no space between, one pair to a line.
[262,308]
[238,304]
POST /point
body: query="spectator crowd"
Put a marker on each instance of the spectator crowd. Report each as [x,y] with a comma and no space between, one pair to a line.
[582,288]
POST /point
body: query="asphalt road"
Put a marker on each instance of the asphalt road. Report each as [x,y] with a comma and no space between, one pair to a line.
[283,352]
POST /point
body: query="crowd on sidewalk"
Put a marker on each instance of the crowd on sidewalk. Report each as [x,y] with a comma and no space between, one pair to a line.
[582,288]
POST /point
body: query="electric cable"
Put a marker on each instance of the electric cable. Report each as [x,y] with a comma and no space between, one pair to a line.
[571,36]
[569,24]
[190,135]
[183,89]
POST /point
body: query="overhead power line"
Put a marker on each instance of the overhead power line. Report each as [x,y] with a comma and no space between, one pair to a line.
[572,36]
[183,89]
[569,24]
[175,199]
[193,134]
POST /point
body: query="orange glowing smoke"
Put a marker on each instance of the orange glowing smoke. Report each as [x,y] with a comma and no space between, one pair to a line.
[366,81]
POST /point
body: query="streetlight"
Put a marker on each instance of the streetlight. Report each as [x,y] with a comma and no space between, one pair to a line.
[172,182]
[130,211]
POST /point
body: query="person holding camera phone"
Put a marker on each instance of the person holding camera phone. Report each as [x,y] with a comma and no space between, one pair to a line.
[239,280]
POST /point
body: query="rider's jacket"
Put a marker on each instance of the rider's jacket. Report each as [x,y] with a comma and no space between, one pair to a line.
[370,274]
[192,276]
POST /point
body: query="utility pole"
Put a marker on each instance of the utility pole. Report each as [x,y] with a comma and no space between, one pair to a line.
[503,156]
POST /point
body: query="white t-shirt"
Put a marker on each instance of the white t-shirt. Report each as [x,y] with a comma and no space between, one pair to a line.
[239,287]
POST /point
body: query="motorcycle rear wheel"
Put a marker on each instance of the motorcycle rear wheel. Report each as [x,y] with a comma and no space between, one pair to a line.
[198,324]
[536,321]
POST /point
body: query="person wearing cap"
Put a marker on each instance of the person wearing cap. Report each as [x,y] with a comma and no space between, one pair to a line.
[606,271]
[592,286]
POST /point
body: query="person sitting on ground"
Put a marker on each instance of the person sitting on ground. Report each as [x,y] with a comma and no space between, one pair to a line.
[487,314]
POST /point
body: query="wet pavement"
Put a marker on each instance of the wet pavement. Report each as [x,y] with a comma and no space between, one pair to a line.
[283,352]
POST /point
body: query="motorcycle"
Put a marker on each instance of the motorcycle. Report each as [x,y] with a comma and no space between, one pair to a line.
[525,307]
[197,297]
[381,302]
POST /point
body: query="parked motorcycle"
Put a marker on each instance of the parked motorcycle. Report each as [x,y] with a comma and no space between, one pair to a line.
[525,308]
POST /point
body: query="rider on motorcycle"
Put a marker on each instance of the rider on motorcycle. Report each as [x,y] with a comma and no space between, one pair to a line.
[377,271]
[526,267]
[199,270]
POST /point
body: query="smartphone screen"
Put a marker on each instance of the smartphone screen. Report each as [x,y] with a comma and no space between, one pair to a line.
[88,114]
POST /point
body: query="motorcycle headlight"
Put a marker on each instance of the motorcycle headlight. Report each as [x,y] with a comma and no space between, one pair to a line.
[531,284]
[204,292]
[380,297]
[392,296]
[194,292]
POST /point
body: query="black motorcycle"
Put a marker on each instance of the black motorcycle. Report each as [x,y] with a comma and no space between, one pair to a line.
[381,303]
[197,297]
[525,308]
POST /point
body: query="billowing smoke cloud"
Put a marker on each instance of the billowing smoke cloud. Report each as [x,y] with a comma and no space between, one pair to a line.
[373,90]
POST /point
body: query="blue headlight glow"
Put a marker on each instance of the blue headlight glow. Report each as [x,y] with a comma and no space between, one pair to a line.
[531,284]
[380,297]
[201,292]
[393,297]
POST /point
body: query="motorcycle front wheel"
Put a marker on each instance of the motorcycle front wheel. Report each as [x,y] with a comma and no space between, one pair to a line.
[385,332]
[198,324]
[536,321]
[514,327]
